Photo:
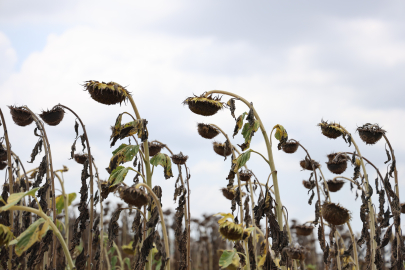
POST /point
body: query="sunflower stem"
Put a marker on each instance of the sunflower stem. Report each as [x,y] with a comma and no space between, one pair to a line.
[162,220]
[90,158]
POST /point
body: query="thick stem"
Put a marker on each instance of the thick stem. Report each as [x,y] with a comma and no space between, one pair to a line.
[10,182]
[356,256]
[90,158]
[101,216]
[269,152]
[370,206]
[147,168]
[162,220]
[54,229]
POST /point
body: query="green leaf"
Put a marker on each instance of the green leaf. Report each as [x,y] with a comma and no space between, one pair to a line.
[16,197]
[112,250]
[60,225]
[31,235]
[281,133]
[113,262]
[118,176]
[241,160]
[127,261]
[122,154]
[60,201]
[228,259]
[247,132]
[164,161]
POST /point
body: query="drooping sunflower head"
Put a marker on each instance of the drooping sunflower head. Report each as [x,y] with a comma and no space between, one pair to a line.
[21,116]
[337,163]
[290,146]
[134,196]
[335,185]
[154,147]
[203,105]
[207,131]
[106,93]
[179,159]
[222,149]
[231,231]
[331,130]
[54,116]
[245,175]
[303,230]
[335,214]
[80,158]
[370,134]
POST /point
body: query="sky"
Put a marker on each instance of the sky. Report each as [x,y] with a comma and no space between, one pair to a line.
[298,61]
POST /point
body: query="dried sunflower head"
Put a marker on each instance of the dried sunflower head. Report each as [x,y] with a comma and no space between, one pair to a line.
[134,196]
[303,230]
[296,253]
[202,105]
[331,130]
[308,184]
[80,158]
[207,131]
[53,117]
[306,164]
[222,149]
[335,214]
[231,231]
[3,165]
[21,116]
[229,194]
[290,146]
[370,134]
[3,153]
[245,175]
[106,93]
[179,159]
[337,163]
[335,185]
[154,147]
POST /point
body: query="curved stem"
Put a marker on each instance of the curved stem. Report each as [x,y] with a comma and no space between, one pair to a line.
[162,220]
[10,183]
[269,151]
[47,147]
[395,168]
[371,209]
[356,257]
[119,256]
[90,158]
[325,184]
[54,229]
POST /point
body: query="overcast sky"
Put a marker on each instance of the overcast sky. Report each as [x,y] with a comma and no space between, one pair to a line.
[297,61]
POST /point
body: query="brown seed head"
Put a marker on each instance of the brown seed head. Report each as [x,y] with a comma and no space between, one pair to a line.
[335,185]
[296,253]
[308,185]
[337,163]
[3,165]
[306,164]
[219,148]
[106,93]
[80,158]
[21,116]
[245,175]
[231,231]
[303,230]
[229,194]
[207,131]
[290,146]
[370,134]
[403,208]
[331,130]
[205,106]
[134,196]
[154,147]
[53,117]
[335,214]
[179,159]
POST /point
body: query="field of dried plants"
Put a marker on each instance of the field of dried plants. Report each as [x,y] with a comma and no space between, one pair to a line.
[40,228]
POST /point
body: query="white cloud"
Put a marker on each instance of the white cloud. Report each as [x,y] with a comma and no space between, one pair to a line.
[8,57]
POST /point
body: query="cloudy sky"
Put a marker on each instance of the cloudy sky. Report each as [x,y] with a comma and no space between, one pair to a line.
[297,61]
